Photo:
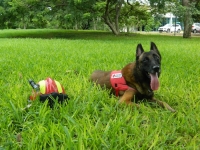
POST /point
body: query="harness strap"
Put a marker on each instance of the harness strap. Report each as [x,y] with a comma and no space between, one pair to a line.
[118,82]
[122,88]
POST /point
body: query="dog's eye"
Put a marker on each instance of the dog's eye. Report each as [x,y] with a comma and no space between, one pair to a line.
[156,57]
[146,59]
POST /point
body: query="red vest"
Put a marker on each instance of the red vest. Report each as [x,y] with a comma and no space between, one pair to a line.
[118,82]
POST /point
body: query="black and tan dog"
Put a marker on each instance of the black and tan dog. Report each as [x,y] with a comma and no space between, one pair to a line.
[137,80]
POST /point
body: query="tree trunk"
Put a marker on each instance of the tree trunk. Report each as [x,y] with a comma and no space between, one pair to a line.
[128,29]
[117,11]
[113,25]
[94,23]
[76,25]
[187,20]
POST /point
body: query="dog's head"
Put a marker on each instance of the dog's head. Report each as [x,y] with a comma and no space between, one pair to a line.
[149,63]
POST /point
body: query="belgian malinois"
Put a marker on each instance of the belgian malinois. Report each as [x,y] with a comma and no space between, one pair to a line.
[137,80]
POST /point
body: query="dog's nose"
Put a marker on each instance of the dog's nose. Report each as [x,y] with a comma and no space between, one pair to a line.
[156,68]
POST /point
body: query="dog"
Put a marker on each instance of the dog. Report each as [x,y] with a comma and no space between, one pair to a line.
[137,80]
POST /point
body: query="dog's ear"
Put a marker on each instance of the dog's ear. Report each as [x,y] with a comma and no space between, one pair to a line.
[154,48]
[139,51]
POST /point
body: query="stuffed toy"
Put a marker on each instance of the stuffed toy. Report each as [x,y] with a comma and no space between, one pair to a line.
[48,90]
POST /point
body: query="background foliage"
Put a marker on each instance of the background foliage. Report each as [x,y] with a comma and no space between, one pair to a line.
[113,15]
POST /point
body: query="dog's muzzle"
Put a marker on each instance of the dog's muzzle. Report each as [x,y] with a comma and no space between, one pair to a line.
[156,68]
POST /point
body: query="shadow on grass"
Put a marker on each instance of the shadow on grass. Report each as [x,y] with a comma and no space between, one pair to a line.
[79,34]
[53,33]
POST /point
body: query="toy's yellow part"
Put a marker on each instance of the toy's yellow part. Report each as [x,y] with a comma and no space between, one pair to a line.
[42,86]
[59,87]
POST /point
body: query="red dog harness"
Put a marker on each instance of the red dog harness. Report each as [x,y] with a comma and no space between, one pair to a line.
[118,82]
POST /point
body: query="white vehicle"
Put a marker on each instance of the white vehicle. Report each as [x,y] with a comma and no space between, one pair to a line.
[196,27]
[170,28]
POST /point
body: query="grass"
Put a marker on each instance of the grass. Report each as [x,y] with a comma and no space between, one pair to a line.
[92,119]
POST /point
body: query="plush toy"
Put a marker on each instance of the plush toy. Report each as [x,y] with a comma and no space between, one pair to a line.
[48,89]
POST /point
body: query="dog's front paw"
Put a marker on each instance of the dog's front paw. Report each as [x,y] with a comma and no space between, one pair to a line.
[168,107]
[171,109]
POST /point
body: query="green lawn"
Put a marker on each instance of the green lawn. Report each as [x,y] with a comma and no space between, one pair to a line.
[92,119]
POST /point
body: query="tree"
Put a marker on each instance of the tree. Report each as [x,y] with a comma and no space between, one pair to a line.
[111,14]
[196,17]
[184,9]
[6,16]
[137,15]
[2,14]
[187,19]
[74,14]
[191,10]
[124,13]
